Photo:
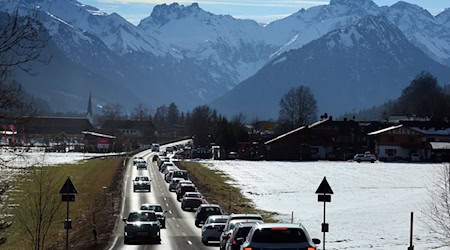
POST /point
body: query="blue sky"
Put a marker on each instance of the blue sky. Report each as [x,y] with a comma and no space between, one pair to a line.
[263,11]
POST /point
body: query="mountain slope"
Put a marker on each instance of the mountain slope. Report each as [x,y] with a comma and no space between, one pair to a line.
[232,49]
[360,66]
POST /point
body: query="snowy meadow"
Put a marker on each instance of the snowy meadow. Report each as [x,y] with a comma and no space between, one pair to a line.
[370,208]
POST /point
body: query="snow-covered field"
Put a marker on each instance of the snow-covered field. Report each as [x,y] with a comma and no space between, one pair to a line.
[370,208]
[13,163]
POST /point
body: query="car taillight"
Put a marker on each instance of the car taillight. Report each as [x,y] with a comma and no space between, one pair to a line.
[279,229]
[233,242]
[248,248]
[311,248]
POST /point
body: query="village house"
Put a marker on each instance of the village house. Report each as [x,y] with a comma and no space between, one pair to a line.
[324,140]
[132,134]
[413,141]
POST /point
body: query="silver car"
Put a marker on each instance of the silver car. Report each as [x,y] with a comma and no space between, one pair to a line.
[173,184]
[141,225]
[160,213]
[279,236]
[213,227]
[232,220]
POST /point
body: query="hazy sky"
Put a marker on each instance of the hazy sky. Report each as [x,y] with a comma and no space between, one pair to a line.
[263,11]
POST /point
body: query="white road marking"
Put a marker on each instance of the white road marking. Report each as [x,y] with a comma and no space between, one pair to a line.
[165,198]
[178,225]
[183,233]
[189,242]
[170,211]
[167,204]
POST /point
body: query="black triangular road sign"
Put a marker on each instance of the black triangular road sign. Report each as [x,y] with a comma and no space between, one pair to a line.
[324,187]
[68,187]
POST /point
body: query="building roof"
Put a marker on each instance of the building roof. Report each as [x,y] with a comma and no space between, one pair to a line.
[98,134]
[127,124]
[433,131]
[55,125]
[381,131]
[296,130]
[440,145]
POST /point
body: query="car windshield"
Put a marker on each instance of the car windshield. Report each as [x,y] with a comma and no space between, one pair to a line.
[279,235]
[218,220]
[144,216]
[155,208]
[141,178]
[197,195]
[243,232]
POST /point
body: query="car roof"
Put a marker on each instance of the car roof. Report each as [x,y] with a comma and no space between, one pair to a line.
[209,205]
[284,225]
[187,193]
[218,216]
[239,215]
[150,204]
[141,211]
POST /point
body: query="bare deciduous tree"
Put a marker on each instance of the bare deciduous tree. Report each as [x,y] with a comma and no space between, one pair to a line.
[297,107]
[22,39]
[40,206]
[437,210]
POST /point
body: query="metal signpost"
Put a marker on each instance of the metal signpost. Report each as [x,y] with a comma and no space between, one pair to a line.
[324,192]
[411,246]
[68,192]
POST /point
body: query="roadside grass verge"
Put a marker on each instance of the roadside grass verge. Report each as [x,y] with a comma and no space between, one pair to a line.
[89,177]
[216,187]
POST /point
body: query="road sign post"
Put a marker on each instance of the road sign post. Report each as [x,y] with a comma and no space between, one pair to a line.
[68,192]
[324,192]
[411,246]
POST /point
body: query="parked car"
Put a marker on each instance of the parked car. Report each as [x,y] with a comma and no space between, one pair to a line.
[141,225]
[232,220]
[238,236]
[173,184]
[141,183]
[415,157]
[160,213]
[183,188]
[191,200]
[213,228]
[278,236]
[365,157]
[155,147]
[206,210]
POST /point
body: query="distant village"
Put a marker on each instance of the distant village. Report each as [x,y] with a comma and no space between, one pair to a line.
[399,138]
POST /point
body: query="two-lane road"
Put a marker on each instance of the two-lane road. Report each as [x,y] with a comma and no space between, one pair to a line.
[180,232]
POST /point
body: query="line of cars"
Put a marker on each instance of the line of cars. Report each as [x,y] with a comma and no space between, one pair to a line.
[146,223]
[235,231]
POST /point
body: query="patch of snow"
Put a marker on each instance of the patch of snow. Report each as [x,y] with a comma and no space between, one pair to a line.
[370,208]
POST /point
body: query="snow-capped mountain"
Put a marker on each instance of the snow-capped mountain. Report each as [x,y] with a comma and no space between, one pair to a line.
[232,49]
[117,33]
[305,26]
[423,29]
[346,69]
[420,27]
[190,56]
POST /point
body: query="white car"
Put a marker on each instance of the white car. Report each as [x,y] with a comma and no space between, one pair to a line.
[213,228]
[365,157]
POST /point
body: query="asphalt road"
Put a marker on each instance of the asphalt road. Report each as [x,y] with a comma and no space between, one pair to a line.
[180,232]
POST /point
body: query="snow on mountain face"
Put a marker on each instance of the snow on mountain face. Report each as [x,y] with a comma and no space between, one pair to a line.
[117,33]
[359,66]
[234,49]
[308,25]
[422,29]
[444,18]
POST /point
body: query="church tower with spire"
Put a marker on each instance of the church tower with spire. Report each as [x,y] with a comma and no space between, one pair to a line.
[89,109]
